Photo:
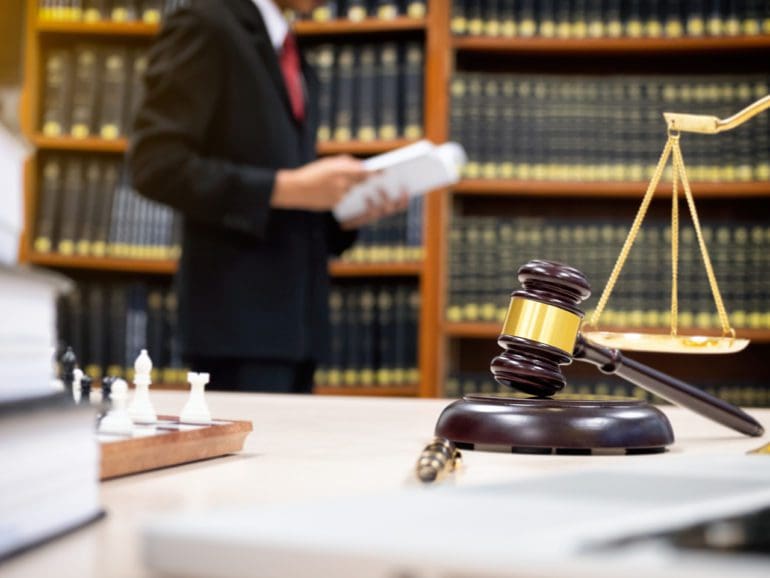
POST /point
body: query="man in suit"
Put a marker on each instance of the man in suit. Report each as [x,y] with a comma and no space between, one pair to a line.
[226,135]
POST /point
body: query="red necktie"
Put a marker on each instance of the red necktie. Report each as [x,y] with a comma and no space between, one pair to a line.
[292,75]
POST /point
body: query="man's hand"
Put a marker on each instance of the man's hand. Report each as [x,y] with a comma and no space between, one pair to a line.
[317,186]
[377,209]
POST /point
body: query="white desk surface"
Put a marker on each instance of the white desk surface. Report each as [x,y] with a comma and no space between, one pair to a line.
[310,446]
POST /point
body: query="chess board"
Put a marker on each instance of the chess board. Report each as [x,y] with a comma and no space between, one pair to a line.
[169,443]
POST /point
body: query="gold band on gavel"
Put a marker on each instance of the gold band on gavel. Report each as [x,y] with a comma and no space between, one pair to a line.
[542,323]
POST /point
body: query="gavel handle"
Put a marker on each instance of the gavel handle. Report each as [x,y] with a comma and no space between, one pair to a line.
[611,361]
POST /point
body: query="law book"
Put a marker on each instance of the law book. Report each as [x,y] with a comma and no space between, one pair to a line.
[414,169]
[117,315]
[366,94]
[344,94]
[92,194]
[124,10]
[508,24]
[634,27]
[385,345]
[155,331]
[416,8]
[326,11]
[458,23]
[48,205]
[152,11]
[367,317]
[322,59]
[136,88]
[71,205]
[352,330]
[527,19]
[401,330]
[336,360]
[387,9]
[474,12]
[388,128]
[50,462]
[86,91]
[356,10]
[696,17]
[94,356]
[412,91]
[110,174]
[95,10]
[57,96]
[492,22]
[114,93]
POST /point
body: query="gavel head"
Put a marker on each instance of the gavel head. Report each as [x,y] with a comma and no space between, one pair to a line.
[541,328]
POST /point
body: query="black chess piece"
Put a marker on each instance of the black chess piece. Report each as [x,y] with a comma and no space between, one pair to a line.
[85,389]
[540,333]
[68,362]
[107,382]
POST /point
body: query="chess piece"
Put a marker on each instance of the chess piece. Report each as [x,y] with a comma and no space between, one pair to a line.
[141,410]
[85,388]
[106,391]
[540,333]
[117,421]
[77,384]
[68,363]
[195,411]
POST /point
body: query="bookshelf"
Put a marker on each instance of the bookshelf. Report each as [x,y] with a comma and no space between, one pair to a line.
[443,344]
[469,346]
[42,34]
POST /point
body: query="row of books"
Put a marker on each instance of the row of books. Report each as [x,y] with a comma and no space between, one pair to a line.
[538,126]
[107,324]
[149,11]
[485,254]
[394,239]
[91,90]
[373,336]
[357,10]
[369,92]
[88,208]
[739,392]
[610,18]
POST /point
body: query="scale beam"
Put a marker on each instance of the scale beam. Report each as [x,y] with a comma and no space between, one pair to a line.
[706,124]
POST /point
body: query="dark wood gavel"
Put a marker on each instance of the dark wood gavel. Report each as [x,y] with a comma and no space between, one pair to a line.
[541,333]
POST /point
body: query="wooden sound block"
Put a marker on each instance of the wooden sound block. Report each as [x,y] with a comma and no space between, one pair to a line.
[169,443]
[544,425]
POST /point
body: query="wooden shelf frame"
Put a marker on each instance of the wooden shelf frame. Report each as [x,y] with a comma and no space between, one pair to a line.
[584,189]
[337,268]
[613,46]
[102,28]
[365,26]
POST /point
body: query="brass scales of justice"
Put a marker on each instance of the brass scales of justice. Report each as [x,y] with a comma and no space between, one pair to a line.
[542,331]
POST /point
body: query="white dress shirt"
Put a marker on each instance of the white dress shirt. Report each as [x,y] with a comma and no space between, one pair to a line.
[275,22]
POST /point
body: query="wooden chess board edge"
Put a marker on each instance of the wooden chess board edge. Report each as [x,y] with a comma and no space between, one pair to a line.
[136,455]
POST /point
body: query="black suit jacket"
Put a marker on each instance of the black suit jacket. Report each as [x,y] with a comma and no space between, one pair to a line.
[214,127]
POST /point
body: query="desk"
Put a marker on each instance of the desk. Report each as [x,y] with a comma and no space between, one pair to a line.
[309,446]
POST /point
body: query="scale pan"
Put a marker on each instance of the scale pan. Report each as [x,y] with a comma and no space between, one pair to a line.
[666,343]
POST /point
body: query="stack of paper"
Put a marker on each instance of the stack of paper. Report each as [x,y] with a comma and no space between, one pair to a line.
[28,331]
[412,170]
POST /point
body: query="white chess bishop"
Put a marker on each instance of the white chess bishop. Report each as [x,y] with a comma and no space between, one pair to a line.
[195,411]
[141,409]
[117,420]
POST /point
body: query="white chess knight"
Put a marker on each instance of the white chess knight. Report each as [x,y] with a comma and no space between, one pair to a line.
[117,420]
[141,410]
[195,411]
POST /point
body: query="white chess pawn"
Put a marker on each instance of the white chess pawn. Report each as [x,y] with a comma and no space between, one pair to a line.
[195,411]
[77,375]
[117,420]
[141,410]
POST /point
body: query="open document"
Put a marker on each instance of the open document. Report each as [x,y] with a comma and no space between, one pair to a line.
[414,169]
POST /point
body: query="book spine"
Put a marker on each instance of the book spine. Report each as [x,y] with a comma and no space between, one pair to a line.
[388,90]
[344,94]
[57,97]
[49,200]
[115,91]
[71,209]
[412,91]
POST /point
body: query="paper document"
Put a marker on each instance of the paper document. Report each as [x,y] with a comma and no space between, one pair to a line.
[414,169]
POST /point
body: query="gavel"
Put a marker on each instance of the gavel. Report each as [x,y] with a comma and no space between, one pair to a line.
[541,332]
